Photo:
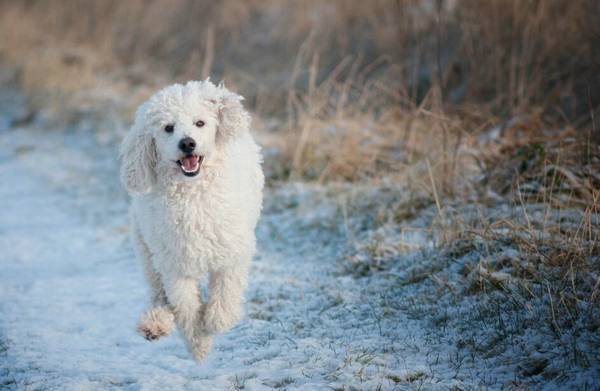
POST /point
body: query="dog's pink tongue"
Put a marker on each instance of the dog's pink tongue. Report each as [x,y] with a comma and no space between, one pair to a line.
[189,162]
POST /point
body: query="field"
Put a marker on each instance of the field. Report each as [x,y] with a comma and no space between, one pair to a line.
[432,210]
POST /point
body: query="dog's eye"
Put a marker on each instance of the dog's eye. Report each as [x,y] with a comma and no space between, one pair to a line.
[169,128]
[199,123]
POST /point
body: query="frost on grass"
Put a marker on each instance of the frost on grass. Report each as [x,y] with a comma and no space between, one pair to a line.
[503,295]
[511,293]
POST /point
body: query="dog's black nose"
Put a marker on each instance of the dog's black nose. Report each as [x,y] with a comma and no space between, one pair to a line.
[187,145]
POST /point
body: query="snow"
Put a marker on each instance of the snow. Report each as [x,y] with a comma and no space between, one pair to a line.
[71,293]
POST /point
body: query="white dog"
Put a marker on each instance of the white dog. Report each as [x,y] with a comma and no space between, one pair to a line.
[195,175]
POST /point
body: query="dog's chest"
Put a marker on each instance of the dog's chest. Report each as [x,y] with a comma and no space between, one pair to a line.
[196,233]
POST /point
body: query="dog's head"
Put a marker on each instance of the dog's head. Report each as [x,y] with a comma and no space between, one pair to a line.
[177,130]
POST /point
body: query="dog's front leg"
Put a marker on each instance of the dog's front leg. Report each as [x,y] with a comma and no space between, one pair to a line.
[158,319]
[226,289]
[184,297]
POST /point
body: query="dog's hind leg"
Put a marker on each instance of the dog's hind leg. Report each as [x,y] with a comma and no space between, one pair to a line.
[184,296]
[158,320]
[226,290]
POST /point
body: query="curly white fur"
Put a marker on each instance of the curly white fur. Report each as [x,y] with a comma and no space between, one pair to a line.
[186,227]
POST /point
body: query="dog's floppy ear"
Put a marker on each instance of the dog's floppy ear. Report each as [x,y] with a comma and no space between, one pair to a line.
[138,157]
[234,120]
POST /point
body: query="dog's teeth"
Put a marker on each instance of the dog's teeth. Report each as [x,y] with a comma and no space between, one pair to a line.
[196,167]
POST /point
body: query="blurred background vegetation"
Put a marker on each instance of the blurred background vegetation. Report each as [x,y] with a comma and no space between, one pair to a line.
[349,90]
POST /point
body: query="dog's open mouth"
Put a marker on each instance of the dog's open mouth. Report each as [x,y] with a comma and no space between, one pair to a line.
[190,164]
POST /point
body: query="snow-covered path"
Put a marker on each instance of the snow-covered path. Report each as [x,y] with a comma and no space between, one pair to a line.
[71,291]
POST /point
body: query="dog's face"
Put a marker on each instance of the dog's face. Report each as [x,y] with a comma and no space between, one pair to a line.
[178,130]
[184,130]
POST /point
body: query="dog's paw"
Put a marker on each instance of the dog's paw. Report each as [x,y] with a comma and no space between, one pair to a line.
[216,320]
[201,347]
[155,323]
